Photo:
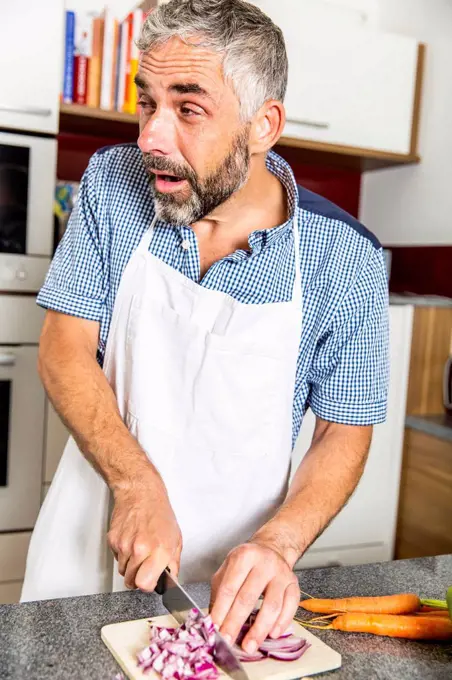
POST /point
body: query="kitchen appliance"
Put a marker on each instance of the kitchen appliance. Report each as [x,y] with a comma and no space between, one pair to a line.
[22,412]
[125,640]
[27,184]
[179,603]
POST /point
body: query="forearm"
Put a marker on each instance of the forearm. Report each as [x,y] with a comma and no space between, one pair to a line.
[322,484]
[82,396]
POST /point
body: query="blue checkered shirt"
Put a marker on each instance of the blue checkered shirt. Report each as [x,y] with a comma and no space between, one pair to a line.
[342,370]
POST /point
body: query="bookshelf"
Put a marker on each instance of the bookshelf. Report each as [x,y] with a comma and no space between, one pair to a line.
[99,114]
[83,120]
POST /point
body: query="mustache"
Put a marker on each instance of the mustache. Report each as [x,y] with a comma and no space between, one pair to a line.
[163,164]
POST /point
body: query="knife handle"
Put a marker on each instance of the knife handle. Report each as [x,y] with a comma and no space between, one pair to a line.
[160,587]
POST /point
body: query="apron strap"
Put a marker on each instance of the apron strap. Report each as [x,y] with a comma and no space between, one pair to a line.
[143,246]
[297,290]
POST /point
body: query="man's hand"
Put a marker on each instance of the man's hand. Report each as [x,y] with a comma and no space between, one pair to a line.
[248,571]
[144,535]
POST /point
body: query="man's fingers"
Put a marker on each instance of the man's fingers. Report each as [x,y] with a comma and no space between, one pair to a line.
[123,557]
[290,606]
[151,569]
[139,553]
[267,617]
[244,603]
[226,584]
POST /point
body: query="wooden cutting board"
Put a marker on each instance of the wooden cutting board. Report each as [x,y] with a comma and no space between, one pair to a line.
[126,639]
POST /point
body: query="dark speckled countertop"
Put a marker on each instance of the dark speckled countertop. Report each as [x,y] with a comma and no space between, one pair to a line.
[60,639]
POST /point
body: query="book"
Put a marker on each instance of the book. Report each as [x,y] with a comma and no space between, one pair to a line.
[130,105]
[109,58]
[82,55]
[68,78]
[95,63]
[122,65]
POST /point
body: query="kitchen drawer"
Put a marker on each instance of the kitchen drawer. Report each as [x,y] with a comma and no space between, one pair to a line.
[10,592]
[339,557]
[13,555]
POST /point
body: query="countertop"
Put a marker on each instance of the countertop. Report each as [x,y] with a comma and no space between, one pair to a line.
[437,426]
[60,639]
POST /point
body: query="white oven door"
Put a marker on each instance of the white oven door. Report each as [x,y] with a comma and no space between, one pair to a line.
[22,415]
[27,187]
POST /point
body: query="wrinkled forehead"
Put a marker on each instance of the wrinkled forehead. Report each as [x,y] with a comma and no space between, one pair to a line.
[184,62]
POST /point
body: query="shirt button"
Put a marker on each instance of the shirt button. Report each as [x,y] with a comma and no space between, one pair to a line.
[185,244]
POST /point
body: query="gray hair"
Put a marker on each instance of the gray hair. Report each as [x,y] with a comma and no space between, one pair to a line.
[252,47]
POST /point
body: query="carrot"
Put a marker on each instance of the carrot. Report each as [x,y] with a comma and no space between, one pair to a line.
[387,604]
[411,627]
[434,613]
[424,609]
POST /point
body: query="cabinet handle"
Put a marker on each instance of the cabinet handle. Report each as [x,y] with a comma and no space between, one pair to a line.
[7,359]
[28,110]
[309,123]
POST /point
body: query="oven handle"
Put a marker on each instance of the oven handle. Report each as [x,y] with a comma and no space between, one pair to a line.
[7,359]
[28,110]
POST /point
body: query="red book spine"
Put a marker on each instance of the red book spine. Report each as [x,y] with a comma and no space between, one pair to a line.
[80,79]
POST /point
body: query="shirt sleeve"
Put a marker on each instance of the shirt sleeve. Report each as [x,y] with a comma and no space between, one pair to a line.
[76,282]
[349,376]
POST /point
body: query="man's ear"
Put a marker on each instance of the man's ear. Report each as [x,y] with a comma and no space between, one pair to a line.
[267,126]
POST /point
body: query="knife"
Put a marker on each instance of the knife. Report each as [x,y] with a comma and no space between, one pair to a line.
[179,603]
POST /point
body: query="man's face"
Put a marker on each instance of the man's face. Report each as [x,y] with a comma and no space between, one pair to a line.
[195,147]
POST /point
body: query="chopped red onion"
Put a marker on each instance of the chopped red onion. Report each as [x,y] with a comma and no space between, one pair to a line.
[187,653]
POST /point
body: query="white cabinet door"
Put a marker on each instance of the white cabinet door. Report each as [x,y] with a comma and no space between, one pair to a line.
[10,592]
[369,519]
[13,555]
[352,87]
[31,55]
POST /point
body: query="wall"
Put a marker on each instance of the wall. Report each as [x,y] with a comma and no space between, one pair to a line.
[413,205]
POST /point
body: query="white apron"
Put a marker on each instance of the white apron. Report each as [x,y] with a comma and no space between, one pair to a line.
[206,385]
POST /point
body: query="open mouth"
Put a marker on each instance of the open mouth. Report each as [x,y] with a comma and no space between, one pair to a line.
[170,178]
[165,183]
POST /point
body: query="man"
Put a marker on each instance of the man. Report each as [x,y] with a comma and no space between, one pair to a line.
[222,302]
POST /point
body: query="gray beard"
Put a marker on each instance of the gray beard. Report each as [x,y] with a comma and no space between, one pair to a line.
[205,195]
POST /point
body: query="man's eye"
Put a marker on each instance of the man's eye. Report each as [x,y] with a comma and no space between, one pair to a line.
[187,111]
[144,104]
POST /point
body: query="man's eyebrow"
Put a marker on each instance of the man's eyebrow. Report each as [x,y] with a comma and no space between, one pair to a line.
[140,82]
[190,88]
[178,88]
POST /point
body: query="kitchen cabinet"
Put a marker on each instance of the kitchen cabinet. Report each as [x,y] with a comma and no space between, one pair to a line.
[425,496]
[364,531]
[354,88]
[13,555]
[31,54]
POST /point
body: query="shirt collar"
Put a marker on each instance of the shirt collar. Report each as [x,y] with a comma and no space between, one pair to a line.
[262,238]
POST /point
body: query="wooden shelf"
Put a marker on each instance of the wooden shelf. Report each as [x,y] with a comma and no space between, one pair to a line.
[101,114]
[78,119]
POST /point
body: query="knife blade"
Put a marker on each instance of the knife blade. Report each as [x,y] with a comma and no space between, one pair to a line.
[179,603]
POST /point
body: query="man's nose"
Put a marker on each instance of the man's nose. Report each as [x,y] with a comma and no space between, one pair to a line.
[158,135]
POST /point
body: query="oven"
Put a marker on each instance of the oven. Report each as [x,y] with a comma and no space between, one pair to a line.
[22,412]
[27,186]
